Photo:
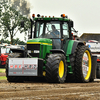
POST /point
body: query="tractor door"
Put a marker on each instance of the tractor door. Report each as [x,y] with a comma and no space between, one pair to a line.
[65,35]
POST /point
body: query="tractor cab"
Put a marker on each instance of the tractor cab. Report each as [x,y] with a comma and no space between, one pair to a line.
[58,29]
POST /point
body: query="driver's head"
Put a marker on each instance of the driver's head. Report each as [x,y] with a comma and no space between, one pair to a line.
[53,27]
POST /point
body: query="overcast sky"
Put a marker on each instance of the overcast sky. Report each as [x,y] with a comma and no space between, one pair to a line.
[84,13]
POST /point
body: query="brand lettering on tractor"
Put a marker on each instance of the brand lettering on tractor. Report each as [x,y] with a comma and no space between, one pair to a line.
[11,66]
[19,66]
[14,72]
[23,67]
[35,67]
[15,66]
[28,66]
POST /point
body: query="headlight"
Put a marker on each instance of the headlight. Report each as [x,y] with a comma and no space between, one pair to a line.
[36,51]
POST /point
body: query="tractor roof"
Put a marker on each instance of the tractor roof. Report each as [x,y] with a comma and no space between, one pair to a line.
[51,18]
[45,18]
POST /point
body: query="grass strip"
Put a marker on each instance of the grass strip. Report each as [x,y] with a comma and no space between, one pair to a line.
[2,70]
[3,78]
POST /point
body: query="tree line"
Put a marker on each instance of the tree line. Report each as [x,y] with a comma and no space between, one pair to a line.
[10,19]
[15,41]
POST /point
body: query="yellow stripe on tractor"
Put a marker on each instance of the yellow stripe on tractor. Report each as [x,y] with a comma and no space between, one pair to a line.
[38,43]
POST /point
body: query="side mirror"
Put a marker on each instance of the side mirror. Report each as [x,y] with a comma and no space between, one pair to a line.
[22,23]
[71,24]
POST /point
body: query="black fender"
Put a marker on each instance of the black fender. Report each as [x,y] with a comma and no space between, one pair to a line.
[57,51]
[75,44]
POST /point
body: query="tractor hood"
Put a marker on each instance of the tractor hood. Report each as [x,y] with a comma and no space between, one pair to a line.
[40,41]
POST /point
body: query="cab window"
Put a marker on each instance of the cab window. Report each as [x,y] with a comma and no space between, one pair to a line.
[65,30]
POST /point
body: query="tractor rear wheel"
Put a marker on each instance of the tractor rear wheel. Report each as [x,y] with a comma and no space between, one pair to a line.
[13,78]
[56,68]
[83,64]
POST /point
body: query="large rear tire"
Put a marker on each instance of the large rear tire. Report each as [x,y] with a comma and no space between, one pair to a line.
[56,68]
[83,64]
[12,78]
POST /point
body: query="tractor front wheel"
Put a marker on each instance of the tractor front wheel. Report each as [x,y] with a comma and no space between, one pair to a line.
[56,68]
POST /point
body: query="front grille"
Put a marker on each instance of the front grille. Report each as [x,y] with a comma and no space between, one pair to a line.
[33,47]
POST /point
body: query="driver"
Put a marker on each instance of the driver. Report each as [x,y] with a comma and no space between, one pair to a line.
[55,33]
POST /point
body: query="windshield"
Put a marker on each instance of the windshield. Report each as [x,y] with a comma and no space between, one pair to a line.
[48,30]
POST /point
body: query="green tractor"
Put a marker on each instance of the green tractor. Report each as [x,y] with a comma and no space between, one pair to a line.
[51,53]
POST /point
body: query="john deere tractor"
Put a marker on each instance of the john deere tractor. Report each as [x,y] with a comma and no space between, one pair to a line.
[51,53]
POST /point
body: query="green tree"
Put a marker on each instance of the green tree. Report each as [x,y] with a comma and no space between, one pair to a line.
[10,21]
[22,5]
[15,41]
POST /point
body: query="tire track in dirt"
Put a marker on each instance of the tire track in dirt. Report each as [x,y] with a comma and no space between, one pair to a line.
[47,91]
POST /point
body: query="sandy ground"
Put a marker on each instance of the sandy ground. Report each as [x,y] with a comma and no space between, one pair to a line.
[49,91]
[2,74]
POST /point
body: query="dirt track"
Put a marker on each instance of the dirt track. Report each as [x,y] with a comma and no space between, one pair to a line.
[47,91]
[2,74]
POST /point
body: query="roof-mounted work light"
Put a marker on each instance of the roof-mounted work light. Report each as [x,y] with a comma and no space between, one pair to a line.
[38,15]
[33,15]
[63,15]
